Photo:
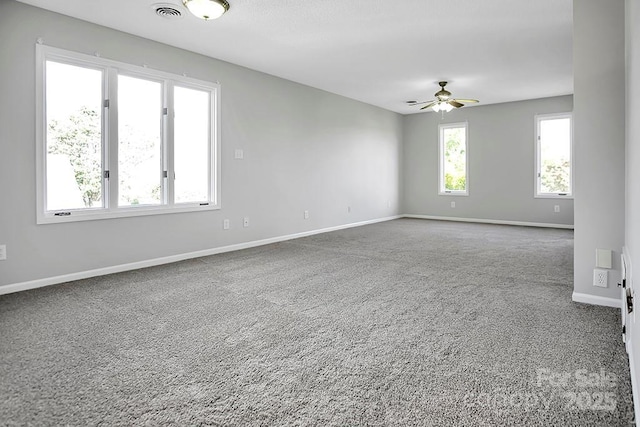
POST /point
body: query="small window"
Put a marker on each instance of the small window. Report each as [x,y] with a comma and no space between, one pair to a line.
[553,155]
[454,159]
[119,140]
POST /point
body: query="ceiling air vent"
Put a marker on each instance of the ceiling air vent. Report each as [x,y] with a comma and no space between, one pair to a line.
[168,11]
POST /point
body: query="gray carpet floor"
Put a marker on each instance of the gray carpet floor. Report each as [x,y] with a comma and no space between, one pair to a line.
[402,323]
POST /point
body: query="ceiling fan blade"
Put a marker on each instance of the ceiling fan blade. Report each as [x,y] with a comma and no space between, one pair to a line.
[455,103]
[466,101]
[431,104]
[418,103]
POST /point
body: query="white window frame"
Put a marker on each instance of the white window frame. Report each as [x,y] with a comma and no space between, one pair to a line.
[111,70]
[537,172]
[441,181]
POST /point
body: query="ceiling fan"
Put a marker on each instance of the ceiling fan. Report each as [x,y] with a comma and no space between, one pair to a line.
[443,101]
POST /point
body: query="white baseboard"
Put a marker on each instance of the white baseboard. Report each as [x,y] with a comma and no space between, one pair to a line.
[596,300]
[23,286]
[491,221]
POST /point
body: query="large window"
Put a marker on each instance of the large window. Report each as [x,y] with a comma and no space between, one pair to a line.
[553,155]
[120,140]
[454,159]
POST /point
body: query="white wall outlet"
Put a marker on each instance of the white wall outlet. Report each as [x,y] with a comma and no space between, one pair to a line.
[245,222]
[3,252]
[388,203]
[600,278]
[239,154]
[348,209]
[453,204]
[306,214]
[556,208]
[225,224]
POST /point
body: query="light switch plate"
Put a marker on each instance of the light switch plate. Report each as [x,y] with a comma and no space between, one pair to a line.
[603,258]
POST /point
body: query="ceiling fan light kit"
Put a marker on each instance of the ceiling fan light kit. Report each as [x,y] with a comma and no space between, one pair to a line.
[442,106]
[206,9]
[443,102]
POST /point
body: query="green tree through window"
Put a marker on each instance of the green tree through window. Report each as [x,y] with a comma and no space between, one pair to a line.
[453,161]
[78,139]
[553,154]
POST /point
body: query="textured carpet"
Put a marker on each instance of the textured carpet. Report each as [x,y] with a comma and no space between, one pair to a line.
[407,322]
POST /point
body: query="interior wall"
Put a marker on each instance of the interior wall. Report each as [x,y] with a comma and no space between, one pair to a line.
[632,213]
[501,164]
[599,135]
[304,149]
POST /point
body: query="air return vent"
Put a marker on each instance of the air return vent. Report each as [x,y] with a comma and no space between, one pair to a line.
[168,11]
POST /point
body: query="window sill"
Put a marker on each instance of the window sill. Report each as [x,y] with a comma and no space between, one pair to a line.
[553,196]
[453,193]
[98,214]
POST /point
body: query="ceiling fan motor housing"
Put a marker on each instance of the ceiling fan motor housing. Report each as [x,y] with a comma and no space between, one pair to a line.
[443,94]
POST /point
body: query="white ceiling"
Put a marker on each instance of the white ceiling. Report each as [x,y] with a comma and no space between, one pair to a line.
[380,52]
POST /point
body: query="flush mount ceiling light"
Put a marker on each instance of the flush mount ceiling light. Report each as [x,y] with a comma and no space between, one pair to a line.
[206,9]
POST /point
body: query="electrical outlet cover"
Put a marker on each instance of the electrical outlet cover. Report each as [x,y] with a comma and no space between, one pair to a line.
[600,278]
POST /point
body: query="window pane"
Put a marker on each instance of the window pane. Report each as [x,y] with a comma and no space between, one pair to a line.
[139,141]
[454,145]
[191,145]
[73,111]
[555,155]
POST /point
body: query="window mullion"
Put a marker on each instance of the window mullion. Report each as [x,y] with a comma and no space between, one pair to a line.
[111,152]
[168,145]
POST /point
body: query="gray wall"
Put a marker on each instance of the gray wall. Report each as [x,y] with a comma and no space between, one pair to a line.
[304,149]
[501,164]
[599,134]
[632,221]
